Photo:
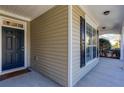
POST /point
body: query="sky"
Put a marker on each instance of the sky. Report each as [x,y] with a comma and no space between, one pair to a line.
[111,37]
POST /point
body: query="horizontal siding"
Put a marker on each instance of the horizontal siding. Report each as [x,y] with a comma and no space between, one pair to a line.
[49,44]
[77,72]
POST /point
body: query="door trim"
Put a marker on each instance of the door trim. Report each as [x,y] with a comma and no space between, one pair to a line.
[25,46]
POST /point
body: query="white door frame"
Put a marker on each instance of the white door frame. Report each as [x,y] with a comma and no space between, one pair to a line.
[25,45]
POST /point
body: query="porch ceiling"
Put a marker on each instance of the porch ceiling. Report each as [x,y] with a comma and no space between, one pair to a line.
[27,11]
[112,22]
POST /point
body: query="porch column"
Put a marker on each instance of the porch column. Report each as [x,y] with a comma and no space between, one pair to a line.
[122,44]
[70,46]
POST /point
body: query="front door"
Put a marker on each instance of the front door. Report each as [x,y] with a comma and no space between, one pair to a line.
[12,48]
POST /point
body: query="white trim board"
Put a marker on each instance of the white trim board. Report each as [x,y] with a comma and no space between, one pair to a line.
[25,45]
[12,70]
[122,44]
[14,15]
[70,46]
[90,21]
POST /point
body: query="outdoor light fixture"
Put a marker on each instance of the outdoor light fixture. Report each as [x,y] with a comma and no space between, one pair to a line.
[104,27]
[106,12]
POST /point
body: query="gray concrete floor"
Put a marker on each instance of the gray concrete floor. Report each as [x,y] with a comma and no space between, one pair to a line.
[31,79]
[108,73]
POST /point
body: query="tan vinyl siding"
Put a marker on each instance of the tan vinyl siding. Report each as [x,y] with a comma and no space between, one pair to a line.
[77,72]
[49,44]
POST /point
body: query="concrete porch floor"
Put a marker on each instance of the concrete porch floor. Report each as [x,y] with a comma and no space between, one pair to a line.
[31,79]
[108,73]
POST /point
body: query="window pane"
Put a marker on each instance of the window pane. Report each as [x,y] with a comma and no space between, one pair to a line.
[97,43]
[88,34]
[94,43]
[94,52]
[89,52]
[94,37]
[91,43]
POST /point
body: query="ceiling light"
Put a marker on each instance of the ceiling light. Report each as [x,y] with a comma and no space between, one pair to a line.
[104,27]
[106,12]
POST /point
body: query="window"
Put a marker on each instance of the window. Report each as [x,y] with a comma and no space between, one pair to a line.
[88,42]
[94,43]
[97,43]
[91,43]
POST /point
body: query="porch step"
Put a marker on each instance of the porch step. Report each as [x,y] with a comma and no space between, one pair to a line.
[16,73]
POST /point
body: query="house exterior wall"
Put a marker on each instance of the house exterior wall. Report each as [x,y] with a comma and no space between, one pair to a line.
[49,44]
[77,72]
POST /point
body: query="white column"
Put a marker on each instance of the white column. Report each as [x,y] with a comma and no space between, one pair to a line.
[70,46]
[122,44]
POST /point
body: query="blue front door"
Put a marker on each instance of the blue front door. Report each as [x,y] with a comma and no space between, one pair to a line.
[12,48]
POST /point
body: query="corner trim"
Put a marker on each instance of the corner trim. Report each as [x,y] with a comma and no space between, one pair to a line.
[70,46]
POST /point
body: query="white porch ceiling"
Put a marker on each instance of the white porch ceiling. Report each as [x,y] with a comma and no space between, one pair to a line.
[112,22]
[26,11]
